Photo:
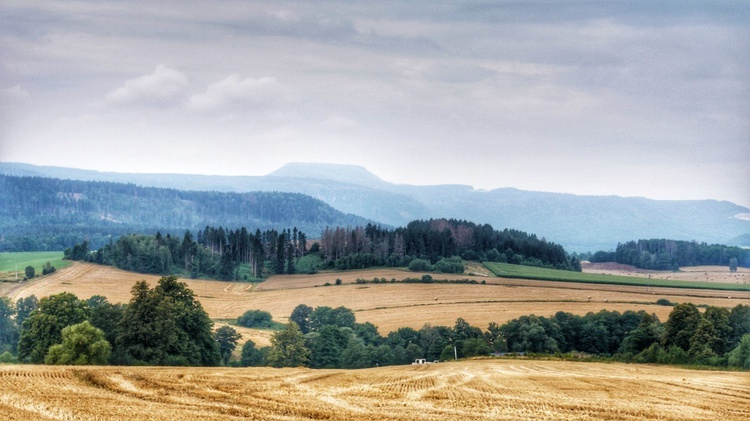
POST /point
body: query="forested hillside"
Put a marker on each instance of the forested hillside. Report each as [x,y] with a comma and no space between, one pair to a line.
[52,214]
[579,223]
[434,245]
[435,240]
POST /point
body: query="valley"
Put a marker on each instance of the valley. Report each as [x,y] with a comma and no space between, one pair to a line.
[387,305]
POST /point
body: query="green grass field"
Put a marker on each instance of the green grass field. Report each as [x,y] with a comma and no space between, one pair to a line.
[506,270]
[10,262]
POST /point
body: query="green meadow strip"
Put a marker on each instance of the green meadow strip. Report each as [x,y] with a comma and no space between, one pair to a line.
[505,270]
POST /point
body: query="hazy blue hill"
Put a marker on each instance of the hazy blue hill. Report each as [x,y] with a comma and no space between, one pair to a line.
[55,211]
[579,223]
[347,174]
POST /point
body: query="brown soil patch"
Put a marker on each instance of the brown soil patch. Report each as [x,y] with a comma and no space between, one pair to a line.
[467,390]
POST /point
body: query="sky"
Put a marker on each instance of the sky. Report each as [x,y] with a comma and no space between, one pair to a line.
[627,98]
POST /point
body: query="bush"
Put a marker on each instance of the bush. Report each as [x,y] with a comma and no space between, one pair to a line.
[452,265]
[420,265]
[255,318]
[30,272]
[82,344]
[7,358]
[664,302]
[48,268]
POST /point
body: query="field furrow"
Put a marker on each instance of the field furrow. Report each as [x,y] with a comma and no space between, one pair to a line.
[468,390]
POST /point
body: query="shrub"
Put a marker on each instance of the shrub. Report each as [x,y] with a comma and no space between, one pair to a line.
[420,265]
[664,302]
[255,318]
[7,358]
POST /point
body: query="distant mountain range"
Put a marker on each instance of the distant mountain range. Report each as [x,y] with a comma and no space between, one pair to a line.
[579,223]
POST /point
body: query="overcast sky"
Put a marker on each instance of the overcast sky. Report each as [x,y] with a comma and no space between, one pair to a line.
[629,98]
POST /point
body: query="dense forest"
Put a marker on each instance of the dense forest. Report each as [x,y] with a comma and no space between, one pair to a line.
[46,214]
[165,325]
[213,252]
[434,245]
[663,254]
[436,239]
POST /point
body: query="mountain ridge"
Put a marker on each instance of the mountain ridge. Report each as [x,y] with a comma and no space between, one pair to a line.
[580,223]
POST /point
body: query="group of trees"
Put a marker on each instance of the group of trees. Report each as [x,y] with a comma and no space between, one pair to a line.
[433,240]
[213,252]
[663,254]
[434,245]
[164,325]
[713,337]
[325,337]
[331,338]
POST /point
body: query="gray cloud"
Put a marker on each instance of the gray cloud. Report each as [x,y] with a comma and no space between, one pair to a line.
[583,97]
[163,85]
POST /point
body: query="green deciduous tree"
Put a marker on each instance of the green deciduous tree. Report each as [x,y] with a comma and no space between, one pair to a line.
[681,325]
[8,327]
[733,264]
[642,337]
[82,344]
[226,338]
[251,356]
[255,318]
[739,321]
[740,356]
[326,346]
[475,347]
[288,347]
[43,328]
[167,326]
[301,316]
[355,355]
[24,307]
[105,316]
[30,272]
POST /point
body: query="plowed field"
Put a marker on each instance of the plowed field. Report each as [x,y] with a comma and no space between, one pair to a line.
[468,390]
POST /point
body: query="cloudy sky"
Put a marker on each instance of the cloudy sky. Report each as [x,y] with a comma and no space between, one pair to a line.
[631,98]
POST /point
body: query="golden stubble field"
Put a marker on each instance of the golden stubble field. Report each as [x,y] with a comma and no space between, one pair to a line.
[388,306]
[466,390]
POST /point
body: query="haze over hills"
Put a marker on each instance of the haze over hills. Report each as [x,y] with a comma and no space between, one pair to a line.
[579,223]
[51,213]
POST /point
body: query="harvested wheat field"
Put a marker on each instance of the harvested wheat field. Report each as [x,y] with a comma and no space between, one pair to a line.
[717,274]
[387,305]
[467,390]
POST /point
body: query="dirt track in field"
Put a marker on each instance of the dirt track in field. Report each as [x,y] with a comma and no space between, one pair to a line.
[466,390]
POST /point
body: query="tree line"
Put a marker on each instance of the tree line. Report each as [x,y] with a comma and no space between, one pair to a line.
[166,325]
[212,252]
[435,239]
[663,254]
[330,338]
[433,245]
